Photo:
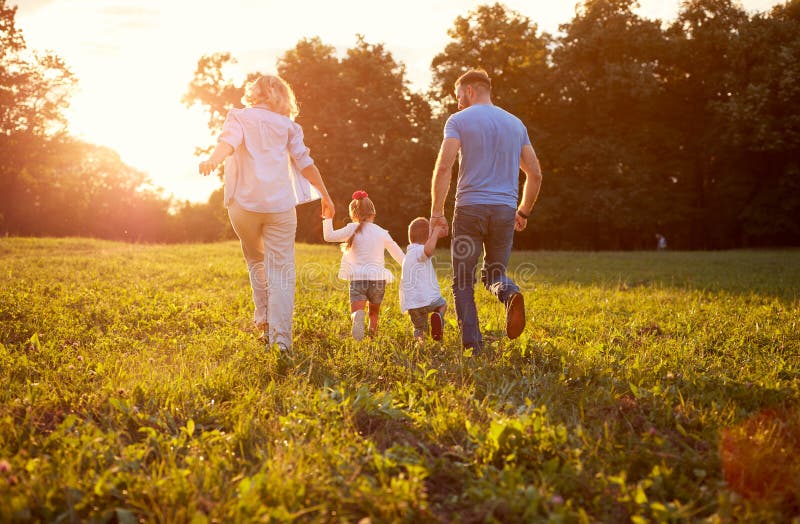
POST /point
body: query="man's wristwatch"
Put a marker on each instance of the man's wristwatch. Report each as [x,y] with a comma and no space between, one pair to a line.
[523,215]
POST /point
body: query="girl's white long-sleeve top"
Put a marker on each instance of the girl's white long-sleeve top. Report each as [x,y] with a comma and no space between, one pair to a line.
[364,260]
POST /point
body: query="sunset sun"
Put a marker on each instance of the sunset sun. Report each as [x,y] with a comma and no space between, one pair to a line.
[134,60]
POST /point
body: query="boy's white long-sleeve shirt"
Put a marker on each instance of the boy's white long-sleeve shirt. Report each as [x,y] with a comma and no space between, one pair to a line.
[364,260]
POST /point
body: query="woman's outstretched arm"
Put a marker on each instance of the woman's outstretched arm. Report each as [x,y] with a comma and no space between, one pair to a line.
[219,154]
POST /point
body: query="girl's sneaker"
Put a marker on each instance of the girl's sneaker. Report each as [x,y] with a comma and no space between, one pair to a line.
[437,325]
[358,324]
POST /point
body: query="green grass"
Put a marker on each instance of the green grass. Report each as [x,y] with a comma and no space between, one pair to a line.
[647,387]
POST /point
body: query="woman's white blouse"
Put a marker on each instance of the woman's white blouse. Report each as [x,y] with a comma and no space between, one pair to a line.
[364,260]
[260,174]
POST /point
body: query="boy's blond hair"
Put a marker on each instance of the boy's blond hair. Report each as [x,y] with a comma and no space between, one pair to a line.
[419,230]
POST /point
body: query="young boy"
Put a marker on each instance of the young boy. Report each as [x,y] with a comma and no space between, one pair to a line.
[419,288]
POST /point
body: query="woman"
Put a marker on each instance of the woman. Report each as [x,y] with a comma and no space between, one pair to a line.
[265,151]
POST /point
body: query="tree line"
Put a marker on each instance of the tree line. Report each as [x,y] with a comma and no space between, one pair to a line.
[689,129]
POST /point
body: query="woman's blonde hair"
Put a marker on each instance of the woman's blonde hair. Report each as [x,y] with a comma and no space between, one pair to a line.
[361,209]
[274,92]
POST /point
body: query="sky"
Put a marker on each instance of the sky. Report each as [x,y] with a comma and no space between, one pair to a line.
[134,59]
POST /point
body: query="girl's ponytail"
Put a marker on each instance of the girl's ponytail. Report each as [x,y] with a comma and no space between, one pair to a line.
[361,209]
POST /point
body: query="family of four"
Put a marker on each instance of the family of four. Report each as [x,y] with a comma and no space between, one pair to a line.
[267,171]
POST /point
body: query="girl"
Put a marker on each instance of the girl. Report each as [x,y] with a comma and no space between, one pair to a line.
[362,260]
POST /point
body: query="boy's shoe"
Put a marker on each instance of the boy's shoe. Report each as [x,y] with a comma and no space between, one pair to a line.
[358,324]
[437,325]
[515,315]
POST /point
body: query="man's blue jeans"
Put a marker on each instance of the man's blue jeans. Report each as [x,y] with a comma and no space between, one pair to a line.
[476,228]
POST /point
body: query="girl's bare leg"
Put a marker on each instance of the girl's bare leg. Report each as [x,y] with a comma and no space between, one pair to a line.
[374,313]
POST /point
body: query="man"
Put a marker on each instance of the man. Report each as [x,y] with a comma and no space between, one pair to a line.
[493,146]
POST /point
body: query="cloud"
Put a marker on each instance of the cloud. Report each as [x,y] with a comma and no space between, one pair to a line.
[100,47]
[29,6]
[131,17]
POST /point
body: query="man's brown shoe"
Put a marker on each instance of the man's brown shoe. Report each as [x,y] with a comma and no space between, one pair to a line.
[515,315]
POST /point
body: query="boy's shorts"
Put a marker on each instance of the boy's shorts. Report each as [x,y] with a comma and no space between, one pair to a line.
[369,290]
[419,315]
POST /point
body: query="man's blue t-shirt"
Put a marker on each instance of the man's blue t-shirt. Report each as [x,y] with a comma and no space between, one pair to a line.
[491,143]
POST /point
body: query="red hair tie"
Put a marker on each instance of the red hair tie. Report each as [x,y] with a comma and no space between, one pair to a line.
[358,195]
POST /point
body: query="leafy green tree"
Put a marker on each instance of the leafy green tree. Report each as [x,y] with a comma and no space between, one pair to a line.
[516,56]
[50,183]
[211,89]
[34,91]
[699,61]
[504,43]
[81,189]
[34,87]
[759,129]
[365,127]
[206,222]
[616,182]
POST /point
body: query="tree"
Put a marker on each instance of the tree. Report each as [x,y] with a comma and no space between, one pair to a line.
[365,128]
[375,137]
[34,87]
[616,181]
[34,91]
[699,59]
[81,189]
[516,56]
[211,89]
[504,43]
[759,129]
[50,183]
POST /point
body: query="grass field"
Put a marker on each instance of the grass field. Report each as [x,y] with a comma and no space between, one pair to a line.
[647,387]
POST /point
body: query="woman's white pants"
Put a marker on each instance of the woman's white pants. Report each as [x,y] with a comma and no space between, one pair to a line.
[267,241]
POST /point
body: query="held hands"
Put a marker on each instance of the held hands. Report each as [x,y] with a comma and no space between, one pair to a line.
[328,209]
[439,226]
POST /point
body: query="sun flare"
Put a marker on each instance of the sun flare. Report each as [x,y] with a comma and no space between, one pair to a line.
[134,60]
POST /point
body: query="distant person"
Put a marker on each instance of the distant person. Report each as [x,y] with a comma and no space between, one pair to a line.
[362,260]
[420,295]
[265,153]
[661,242]
[494,144]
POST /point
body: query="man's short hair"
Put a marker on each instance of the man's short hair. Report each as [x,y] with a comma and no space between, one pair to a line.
[474,77]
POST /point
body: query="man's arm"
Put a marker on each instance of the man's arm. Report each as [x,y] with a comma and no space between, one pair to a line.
[440,183]
[533,182]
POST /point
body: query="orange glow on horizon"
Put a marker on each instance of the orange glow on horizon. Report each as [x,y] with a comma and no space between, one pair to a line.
[134,59]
